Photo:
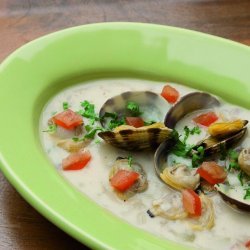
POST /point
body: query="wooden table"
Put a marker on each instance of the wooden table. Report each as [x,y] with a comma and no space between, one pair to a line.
[21,227]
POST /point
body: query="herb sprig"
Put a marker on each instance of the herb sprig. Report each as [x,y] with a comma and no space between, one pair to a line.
[182,149]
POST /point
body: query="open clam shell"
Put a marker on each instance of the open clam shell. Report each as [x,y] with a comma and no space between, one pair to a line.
[189,103]
[233,202]
[152,106]
[178,176]
[161,154]
[213,145]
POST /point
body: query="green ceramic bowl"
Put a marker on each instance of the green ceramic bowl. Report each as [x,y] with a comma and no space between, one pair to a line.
[32,74]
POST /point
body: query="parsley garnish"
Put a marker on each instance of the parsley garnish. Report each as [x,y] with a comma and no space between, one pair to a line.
[130,159]
[89,112]
[197,158]
[188,131]
[182,149]
[240,177]
[133,108]
[51,129]
[65,105]
[247,194]
[91,132]
[233,160]
[114,122]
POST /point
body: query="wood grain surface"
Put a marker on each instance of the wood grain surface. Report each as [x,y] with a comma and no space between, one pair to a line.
[21,21]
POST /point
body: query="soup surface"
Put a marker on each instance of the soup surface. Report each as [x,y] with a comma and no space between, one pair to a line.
[231,228]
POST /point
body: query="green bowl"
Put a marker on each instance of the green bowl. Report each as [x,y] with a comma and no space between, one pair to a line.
[32,74]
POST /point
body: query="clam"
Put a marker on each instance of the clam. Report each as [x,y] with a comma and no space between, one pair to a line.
[72,146]
[169,207]
[189,103]
[180,177]
[152,107]
[223,136]
[63,133]
[139,186]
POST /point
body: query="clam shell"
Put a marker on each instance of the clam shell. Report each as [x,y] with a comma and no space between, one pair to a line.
[232,202]
[187,104]
[153,106]
[164,172]
[160,156]
[136,139]
[214,145]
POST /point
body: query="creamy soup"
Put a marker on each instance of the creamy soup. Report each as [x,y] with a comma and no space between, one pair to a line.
[231,228]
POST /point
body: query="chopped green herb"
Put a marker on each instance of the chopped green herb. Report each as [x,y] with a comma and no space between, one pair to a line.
[247,194]
[89,111]
[91,133]
[233,160]
[65,105]
[180,148]
[115,120]
[240,177]
[76,139]
[51,129]
[133,108]
[130,159]
[195,130]
[188,131]
[198,157]
[185,150]
[88,128]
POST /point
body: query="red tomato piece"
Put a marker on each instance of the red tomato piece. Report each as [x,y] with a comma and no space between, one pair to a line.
[191,202]
[76,161]
[247,244]
[124,179]
[206,119]
[68,119]
[170,94]
[134,121]
[212,172]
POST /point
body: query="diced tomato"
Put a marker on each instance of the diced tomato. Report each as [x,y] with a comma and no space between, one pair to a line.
[170,94]
[212,172]
[134,121]
[68,119]
[247,244]
[124,179]
[206,119]
[76,161]
[191,202]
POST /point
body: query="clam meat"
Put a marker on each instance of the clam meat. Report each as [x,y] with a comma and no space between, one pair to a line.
[180,177]
[140,185]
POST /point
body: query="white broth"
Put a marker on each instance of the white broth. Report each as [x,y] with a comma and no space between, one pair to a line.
[231,229]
